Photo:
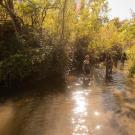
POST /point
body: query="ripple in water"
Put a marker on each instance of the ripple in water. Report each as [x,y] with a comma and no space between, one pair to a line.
[80,113]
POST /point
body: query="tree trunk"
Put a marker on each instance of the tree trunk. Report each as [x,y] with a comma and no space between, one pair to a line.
[9,7]
[63,21]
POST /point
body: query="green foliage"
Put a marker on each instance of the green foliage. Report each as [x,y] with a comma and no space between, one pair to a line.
[38,57]
[131,64]
[39,33]
[16,67]
[132,70]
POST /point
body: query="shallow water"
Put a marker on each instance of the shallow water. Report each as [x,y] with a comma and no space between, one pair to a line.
[100,107]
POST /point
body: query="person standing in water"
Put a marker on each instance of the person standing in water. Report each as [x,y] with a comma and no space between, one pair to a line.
[86,66]
[109,65]
[123,59]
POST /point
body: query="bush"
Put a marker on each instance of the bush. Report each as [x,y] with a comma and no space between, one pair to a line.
[59,62]
[132,70]
[35,58]
[16,67]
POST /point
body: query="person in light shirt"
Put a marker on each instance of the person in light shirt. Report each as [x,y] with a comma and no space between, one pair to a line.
[86,66]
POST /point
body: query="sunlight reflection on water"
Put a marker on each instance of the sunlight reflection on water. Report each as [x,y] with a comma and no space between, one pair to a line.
[98,127]
[96,113]
[80,113]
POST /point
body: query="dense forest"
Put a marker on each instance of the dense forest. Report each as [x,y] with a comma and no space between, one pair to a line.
[47,38]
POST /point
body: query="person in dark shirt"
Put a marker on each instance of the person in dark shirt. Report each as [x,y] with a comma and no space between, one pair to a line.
[109,65]
[123,59]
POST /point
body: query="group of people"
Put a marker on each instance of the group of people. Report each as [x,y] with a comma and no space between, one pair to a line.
[109,61]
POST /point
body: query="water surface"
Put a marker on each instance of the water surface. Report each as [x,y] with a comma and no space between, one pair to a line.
[101,107]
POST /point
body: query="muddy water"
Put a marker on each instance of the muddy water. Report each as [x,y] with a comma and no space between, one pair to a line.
[100,107]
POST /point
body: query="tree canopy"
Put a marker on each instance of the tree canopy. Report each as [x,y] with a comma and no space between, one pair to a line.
[41,32]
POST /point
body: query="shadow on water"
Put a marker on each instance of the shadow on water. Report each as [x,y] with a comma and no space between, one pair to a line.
[26,106]
[38,88]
